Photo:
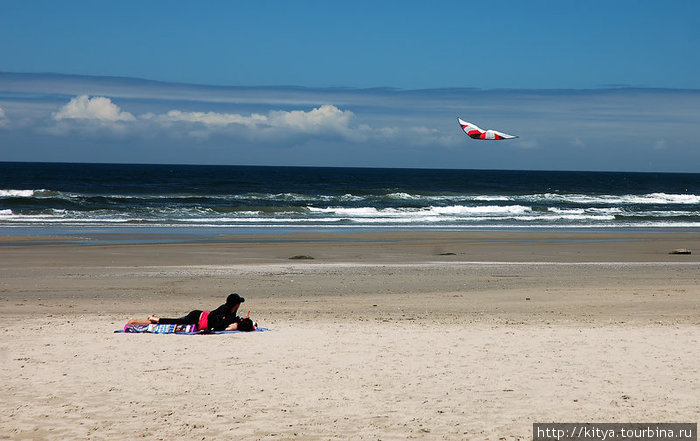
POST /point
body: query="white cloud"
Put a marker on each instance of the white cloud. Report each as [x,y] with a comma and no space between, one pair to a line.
[317,120]
[95,108]
[208,118]
[323,118]
[327,121]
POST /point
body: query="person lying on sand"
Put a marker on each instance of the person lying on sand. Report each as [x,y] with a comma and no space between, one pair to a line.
[223,318]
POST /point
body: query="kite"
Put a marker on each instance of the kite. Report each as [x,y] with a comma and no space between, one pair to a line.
[476,133]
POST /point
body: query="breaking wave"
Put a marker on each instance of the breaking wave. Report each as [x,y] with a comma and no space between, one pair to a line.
[80,194]
[51,207]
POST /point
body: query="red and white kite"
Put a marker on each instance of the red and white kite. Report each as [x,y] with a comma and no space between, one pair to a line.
[476,133]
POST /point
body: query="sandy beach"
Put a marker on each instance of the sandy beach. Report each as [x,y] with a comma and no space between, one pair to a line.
[391,336]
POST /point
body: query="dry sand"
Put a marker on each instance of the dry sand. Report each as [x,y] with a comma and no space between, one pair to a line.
[421,335]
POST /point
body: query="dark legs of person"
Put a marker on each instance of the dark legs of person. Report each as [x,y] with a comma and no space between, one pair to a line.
[190,319]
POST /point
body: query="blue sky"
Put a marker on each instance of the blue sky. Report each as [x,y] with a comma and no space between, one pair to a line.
[593,85]
[403,44]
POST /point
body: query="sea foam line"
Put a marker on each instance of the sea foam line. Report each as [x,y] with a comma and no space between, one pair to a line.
[605,199]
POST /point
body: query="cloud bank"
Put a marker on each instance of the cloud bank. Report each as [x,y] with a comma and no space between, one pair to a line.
[318,120]
[67,118]
[326,120]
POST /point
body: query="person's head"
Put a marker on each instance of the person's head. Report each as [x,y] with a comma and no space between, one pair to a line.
[246,325]
[233,301]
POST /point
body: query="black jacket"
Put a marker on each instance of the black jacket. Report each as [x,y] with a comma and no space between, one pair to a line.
[221,317]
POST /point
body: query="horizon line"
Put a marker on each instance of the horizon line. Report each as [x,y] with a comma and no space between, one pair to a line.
[345,167]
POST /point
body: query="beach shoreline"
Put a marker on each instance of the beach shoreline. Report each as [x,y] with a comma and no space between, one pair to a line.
[390,335]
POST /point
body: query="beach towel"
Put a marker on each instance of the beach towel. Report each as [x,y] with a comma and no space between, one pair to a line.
[154,328]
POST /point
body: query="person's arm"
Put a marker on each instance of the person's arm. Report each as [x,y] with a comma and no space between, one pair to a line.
[232,327]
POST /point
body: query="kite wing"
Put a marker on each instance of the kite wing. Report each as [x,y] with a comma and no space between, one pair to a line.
[475,132]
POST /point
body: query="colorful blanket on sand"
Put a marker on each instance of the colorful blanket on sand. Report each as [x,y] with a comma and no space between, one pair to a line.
[172,329]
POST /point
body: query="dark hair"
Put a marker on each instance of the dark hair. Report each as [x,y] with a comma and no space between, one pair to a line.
[234,299]
[246,325]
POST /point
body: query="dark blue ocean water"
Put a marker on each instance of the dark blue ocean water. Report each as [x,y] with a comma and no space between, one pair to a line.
[45,194]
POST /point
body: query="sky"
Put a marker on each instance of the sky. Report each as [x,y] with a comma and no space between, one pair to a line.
[594,85]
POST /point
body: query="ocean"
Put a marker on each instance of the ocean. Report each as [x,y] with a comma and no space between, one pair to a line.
[250,199]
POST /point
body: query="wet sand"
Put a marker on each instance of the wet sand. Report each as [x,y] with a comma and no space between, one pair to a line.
[395,335]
